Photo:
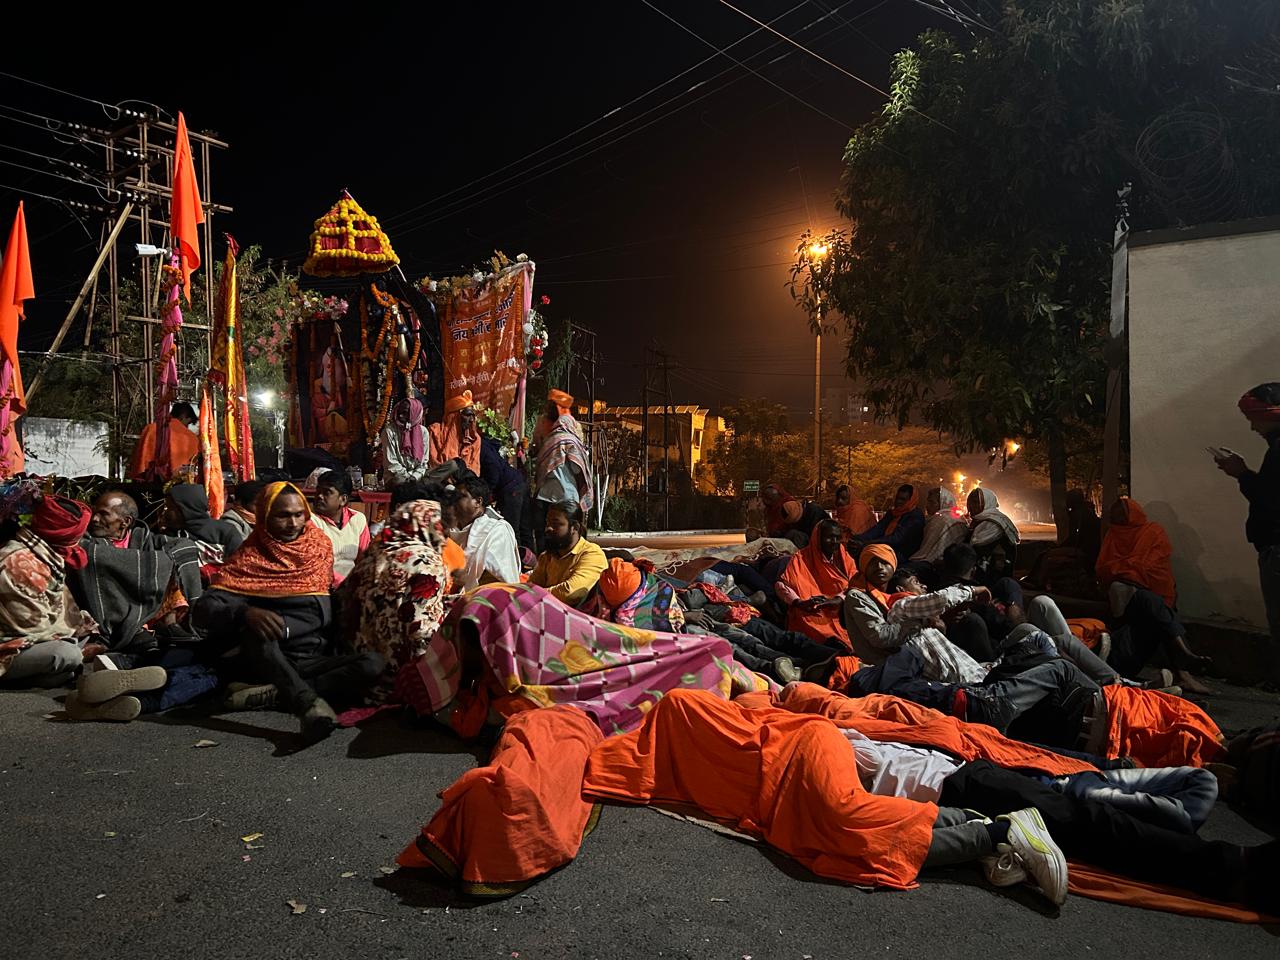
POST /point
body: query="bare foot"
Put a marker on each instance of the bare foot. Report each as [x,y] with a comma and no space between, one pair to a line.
[1190,684]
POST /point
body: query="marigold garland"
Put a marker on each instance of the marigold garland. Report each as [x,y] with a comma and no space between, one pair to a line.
[347,242]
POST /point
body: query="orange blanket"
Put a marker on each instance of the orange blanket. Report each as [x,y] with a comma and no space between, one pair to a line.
[1138,551]
[1159,730]
[811,574]
[502,826]
[895,720]
[787,778]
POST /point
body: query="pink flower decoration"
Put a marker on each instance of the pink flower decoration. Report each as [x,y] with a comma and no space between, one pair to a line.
[253,351]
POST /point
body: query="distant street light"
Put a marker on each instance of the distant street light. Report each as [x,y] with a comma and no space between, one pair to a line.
[817,252]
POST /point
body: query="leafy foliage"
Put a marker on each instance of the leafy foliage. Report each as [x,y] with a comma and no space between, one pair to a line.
[974,279]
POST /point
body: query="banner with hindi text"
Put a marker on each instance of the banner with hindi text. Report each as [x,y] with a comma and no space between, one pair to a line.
[482,335]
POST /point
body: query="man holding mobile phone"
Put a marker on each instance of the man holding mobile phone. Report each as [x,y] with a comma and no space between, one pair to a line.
[1261,488]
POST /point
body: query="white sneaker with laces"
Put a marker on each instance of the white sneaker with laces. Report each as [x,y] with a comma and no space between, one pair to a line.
[1036,853]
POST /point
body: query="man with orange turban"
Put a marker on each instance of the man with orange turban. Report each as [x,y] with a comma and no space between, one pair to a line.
[456,437]
[876,636]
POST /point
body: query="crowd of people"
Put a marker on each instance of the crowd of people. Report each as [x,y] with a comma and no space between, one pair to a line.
[873,695]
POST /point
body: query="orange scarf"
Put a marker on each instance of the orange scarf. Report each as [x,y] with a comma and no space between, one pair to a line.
[1138,551]
[267,567]
[811,574]
[877,550]
[855,517]
[897,513]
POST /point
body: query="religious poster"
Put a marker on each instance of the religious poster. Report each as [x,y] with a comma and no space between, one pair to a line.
[324,415]
[482,334]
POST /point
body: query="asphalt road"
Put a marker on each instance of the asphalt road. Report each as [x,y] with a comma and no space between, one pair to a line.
[126,841]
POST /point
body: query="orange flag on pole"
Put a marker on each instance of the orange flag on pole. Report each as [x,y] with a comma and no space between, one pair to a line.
[15,287]
[185,210]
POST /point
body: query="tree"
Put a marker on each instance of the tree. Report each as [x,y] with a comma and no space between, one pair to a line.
[974,280]
[877,459]
[760,445]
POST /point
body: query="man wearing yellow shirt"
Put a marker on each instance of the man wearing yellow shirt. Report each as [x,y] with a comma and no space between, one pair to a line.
[570,566]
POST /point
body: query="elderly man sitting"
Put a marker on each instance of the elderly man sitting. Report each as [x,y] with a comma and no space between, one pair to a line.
[131,579]
[44,635]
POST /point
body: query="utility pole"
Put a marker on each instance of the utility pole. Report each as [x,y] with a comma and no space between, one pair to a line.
[666,444]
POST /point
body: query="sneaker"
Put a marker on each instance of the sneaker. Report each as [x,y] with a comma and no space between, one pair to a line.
[103,685]
[118,709]
[250,696]
[1003,868]
[317,721]
[786,671]
[1037,854]
[757,599]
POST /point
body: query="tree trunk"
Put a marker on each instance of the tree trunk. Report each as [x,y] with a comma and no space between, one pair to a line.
[1058,482]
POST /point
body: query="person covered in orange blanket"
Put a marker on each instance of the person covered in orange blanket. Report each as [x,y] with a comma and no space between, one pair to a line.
[456,436]
[852,513]
[184,445]
[813,585]
[901,527]
[1136,571]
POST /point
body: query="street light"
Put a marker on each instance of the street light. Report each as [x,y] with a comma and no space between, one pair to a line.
[817,253]
[265,400]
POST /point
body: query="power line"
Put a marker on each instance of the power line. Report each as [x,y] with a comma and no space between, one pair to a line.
[744,66]
[834,66]
[396,217]
[522,178]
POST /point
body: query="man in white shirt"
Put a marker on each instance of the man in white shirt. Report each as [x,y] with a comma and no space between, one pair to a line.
[484,536]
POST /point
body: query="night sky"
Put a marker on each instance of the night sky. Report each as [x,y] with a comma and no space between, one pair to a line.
[672,220]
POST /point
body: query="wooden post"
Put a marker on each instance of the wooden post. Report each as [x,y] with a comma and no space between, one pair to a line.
[84,292]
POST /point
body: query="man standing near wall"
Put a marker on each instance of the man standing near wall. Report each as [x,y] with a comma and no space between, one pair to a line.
[1261,488]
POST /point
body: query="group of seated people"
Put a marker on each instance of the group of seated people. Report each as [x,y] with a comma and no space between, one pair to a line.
[296,603]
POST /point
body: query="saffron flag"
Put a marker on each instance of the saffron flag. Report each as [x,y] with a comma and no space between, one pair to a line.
[227,370]
[15,286]
[185,210]
[482,337]
[210,459]
[166,372]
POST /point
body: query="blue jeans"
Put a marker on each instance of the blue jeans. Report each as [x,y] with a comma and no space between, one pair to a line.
[1177,798]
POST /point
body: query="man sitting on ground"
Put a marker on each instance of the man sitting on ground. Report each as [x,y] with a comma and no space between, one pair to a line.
[876,637]
[135,582]
[239,512]
[272,601]
[942,528]
[484,536]
[812,587]
[346,528]
[571,564]
[902,526]
[187,515]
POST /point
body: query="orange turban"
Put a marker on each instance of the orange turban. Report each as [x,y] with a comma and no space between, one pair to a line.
[880,551]
[560,398]
[460,402]
[619,581]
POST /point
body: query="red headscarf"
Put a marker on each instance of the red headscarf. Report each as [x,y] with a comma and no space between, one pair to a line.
[1138,551]
[1257,409]
[267,567]
[880,551]
[776,522]
[897,513]
[61,523]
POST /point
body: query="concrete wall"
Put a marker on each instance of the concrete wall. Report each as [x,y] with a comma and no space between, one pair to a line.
[67,448]
[1204,327]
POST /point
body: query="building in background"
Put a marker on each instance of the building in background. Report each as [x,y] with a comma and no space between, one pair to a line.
[690,432]
[65,448]
[844,406]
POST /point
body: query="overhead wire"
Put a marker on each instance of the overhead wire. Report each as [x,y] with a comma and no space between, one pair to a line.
[586,126]
[835,66]
[524,177]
